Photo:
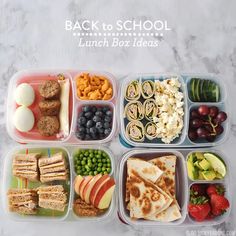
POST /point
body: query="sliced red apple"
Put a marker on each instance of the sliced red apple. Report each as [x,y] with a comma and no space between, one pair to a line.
[89,186]
[77,182]
[104,194]
[83,185]
[96,188]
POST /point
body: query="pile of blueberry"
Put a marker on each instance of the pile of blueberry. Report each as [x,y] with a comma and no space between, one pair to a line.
[94,123]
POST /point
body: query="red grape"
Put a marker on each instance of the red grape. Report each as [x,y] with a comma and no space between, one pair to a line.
[203,110]
[192,134]
[219,129]
[209,128]
[213,111]
[202,132]
[194,114]
[221,117]
[196,123]
[211,138]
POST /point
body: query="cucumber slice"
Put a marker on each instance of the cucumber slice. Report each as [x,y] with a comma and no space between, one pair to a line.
[217,163]
[197,90]
[201,91]
[191,92]
[216,93]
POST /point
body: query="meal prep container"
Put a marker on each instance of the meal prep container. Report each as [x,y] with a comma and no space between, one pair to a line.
[183,140]
[36,77]
[9,181]
[183,184]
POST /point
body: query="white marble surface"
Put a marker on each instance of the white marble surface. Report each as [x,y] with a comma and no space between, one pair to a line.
[203,40]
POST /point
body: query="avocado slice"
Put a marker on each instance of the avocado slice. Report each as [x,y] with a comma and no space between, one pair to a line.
[216,163]
[200,176]
[204,164]
[199,155]
[209,174]
[192,172]
[196,164]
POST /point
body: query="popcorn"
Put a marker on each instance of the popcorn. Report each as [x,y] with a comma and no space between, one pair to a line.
[170,103]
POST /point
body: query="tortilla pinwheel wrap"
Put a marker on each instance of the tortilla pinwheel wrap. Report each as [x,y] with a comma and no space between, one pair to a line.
[133,91]
[135,131]
[150,130]
[147,89]
[150,109]
[134,111]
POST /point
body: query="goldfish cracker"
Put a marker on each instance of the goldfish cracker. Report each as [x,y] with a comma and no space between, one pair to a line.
[93,87]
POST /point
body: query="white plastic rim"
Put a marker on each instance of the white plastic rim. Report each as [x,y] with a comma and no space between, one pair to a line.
[184,141]
[6,178]
[184,185]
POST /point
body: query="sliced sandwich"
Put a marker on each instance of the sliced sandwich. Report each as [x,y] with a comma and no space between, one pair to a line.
[26,166]
[22,201]
[53,168]
[52,197]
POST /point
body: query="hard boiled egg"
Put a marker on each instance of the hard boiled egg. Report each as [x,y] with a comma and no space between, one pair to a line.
[24,94]
[23,119]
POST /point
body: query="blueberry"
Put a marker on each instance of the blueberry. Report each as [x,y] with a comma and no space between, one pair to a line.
[93,130]
[89,124]
[109,113]
[105,109]
[106,125]
[80,136]
[97,119]
[99,125]
[87,131]
[99,113]
[88,115]
[82,120]
[107,131]
[108,118]
[94,109]
[81,130]
[86,108]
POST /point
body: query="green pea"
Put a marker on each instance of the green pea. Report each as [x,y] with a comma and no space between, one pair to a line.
[81,156]
[100,164]
[103,168]
[108,164]
[104,160]
[108,170]
[99,160]
[78,167]
[99,169]
[90,164]
[90,173]
[104,154]
[99,152]
[85,173]
[105,173]
[79,172]
[94,160]
[83,163]
[95,172]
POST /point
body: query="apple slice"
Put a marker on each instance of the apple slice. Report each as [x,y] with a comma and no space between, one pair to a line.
[96,188]
[89,186]
[104,194]
[83,185]
[77,182]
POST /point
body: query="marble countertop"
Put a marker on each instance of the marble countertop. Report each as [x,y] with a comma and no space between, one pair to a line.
[202,40]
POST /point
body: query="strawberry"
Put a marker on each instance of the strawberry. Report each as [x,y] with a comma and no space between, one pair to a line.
[219,204]
[199,208]
[215,189]
[197,190]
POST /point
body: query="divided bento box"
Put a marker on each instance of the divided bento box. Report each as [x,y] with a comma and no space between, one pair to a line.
[146,100]
[38,192]
[45,106]
[134,184]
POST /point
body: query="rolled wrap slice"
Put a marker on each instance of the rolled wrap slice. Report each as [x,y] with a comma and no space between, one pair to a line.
[147,89]
[150,130]
[133,91]
[135,131]
[134,111]
[150,109]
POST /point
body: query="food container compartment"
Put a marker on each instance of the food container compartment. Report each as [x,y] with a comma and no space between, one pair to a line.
[225,182]
[109,76]
[9,181]
[181,186]
[78,109]
[226,125]
[223,93]
[34,78]
[124,121]
[183,140]
[108,213]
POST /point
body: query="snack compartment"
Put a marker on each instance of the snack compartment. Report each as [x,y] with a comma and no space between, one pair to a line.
[123,102]
[10,181]
[108,212]
[181,187]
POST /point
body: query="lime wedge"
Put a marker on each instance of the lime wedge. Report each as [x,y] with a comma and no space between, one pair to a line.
[217,163]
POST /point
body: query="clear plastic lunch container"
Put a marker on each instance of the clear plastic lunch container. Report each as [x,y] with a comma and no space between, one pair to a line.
[36,77]
[183,184]
[183,140]
[9,181]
